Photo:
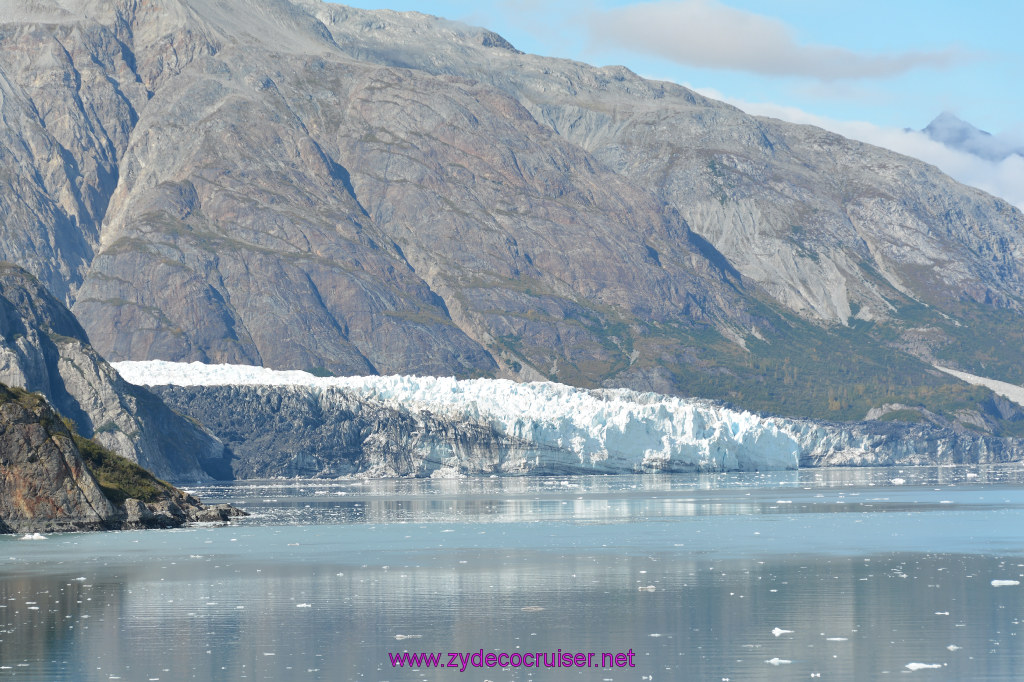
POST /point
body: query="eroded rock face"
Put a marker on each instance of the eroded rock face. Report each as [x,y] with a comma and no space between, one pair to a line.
[44,349]
[44,485]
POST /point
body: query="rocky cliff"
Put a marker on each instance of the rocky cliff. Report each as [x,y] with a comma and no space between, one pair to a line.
[44,349]
[47,485]
[302,185]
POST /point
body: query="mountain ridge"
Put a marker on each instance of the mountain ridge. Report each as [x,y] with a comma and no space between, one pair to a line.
[380,192]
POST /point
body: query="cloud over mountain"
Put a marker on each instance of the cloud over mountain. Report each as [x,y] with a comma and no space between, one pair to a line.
[708,34]
[993,163]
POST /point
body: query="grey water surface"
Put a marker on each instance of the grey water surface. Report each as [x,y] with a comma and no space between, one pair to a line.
[838,574]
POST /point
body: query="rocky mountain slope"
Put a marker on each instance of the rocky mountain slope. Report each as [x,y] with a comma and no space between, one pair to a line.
[307,186]
[294,424]
[48,479]
[44,349]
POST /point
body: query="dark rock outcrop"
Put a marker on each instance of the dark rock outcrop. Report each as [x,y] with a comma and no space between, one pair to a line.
[47,486]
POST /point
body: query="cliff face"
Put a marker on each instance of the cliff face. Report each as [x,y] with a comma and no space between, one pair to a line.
[302,185]
[44,349]
[46,484]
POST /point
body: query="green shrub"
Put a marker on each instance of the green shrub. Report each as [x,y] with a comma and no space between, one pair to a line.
[118,478]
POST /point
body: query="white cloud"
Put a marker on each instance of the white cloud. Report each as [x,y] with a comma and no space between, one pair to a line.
[705,33]
[1004,179]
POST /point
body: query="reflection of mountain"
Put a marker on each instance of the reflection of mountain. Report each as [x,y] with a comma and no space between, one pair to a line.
[463,586]
[958,134]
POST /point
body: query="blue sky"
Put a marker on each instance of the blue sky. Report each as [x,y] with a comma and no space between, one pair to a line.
[866,69]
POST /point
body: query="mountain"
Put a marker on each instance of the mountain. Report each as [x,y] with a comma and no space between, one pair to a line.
[302,185]
[44,349]
[958,134]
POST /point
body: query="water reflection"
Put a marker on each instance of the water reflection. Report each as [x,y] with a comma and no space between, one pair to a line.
[615,499]
[846,574]
[850,618]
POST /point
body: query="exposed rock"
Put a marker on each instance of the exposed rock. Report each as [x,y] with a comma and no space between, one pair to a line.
[44,485]
[44,349]
[47,486]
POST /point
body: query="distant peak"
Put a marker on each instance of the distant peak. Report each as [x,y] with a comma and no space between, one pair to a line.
[956,133]
[492,39]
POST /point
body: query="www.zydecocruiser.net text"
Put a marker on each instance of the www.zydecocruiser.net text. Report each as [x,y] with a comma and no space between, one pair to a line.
[463,660]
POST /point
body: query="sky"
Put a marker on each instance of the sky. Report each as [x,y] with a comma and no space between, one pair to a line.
[873,70]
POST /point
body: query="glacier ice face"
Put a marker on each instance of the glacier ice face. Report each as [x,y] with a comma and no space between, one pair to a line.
[603,431]
[441,426]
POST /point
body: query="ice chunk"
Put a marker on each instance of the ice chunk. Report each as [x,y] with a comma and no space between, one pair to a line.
[922,666]
[778,661]
[1004,583]
[780,631]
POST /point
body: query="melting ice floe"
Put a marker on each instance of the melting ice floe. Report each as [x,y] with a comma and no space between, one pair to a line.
[603,430]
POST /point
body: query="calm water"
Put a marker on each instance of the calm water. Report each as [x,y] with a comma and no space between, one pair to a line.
[838,574]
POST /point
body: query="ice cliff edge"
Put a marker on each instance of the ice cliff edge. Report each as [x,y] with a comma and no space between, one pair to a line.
[410,425]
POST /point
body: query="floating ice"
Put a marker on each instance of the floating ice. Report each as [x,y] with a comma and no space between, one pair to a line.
[33,536]
[1004,583]
[778,661]
[898,481]
[922,666]
[303,606]
[780,631]
[953,647]
[401,637]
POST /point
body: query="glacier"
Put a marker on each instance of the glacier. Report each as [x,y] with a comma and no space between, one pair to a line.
[442,426]
[602,430]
